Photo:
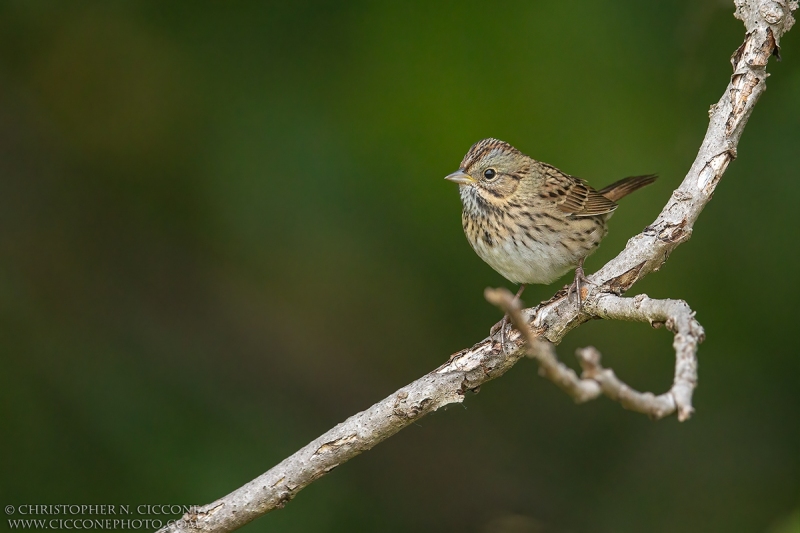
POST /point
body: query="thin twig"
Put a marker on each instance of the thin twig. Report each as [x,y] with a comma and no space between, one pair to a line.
[595,380]
[677,317]
[581,390]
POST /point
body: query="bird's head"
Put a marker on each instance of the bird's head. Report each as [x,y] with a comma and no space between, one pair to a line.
[490,174]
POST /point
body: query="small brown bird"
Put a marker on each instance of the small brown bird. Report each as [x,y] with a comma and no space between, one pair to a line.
[531,222]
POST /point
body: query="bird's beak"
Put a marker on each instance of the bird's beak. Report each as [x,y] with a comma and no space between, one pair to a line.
[460,177]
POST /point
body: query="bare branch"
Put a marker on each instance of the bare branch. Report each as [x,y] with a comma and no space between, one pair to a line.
[581,390]
[678,317]
[674,314]
[465,371]
[641,402]
[766,21]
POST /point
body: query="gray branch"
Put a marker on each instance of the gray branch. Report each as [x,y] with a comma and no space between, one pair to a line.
[676,316]
[766,21]
[596,380]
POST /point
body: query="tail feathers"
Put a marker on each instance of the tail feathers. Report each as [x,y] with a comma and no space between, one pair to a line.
[625,186]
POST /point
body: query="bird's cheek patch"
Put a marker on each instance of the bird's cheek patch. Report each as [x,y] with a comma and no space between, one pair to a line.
[507,186]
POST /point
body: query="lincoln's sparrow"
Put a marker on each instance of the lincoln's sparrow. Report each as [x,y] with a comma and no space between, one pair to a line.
[531,222]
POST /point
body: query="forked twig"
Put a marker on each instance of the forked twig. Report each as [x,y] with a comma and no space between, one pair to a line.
[595,380]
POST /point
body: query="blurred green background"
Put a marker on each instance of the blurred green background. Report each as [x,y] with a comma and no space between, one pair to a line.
[224,229]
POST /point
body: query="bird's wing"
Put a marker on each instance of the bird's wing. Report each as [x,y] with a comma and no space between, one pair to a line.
[574,196]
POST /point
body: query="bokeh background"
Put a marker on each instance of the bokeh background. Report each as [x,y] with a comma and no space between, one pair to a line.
[224,229]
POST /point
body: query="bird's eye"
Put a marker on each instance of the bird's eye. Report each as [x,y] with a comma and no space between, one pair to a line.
[489,174]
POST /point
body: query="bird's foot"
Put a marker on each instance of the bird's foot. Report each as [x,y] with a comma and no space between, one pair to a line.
[504,324]
[580,279]
[500,327]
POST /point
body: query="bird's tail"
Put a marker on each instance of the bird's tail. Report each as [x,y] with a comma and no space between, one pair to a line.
[625,186]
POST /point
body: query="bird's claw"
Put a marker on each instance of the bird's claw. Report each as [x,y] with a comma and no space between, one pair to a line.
[506,322]
[500,327]
[580,278]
